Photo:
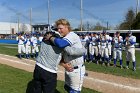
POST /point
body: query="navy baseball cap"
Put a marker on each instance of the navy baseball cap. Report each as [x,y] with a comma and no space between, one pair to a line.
[117,32]
[94,33]
[19,33]
[98,33]
[129,32]
[107,33]
[89,33]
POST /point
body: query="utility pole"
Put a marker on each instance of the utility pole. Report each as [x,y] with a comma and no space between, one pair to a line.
[81,13]
[107,25]
[31,19]
[48,15]
[18,21]
[137,7]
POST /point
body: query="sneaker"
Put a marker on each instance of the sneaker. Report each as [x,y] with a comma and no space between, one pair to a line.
[127,67]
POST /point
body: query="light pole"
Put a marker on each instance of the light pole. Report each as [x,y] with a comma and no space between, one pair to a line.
[18,22]
[107,25]
[81,14]
[48,28]
[48,11]
[31,19]
[137,7]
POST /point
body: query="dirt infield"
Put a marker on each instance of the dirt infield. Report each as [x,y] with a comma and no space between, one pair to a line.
[98,81]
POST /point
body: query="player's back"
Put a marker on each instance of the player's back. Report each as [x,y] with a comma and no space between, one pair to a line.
[49,57]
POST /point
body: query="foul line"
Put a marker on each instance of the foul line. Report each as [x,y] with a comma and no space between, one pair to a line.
[114,84]
[88,78]
[19,62]
[110,83]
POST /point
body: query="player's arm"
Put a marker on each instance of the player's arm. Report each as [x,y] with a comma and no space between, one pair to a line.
[22,38]
[67,66]
[25,41]
[61,43]
[74,51]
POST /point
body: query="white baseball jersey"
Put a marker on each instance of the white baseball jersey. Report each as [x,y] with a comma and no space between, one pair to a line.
[118,44]
[93,46]
[94,41]
[28,41]
[28,45]
[84,41]
[20,41]
[104,41]
[131,42]
[118,47]
[130,49]
[40,38]
[34,44]
[75,78]
[34,40]
[21,47]
[104,46]
[110,40]
[74,41]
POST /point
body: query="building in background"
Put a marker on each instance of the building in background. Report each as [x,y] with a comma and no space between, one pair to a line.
[13,28]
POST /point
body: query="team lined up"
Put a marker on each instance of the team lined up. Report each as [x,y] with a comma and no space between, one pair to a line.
[101,46]
[28,45]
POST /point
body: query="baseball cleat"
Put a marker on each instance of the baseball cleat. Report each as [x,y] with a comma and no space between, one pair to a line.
[114,65]
[121,67]
[103,64]
[97,62]
[108,64]
[134,69]
[127,67]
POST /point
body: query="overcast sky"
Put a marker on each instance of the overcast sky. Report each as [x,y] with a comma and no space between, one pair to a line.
[94,11]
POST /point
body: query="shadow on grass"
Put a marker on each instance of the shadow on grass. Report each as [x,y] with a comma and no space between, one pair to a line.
[30,87]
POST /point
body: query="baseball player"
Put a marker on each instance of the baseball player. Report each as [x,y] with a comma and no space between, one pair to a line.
[84,43]
[104,48]
[118,41]
[73,79]
[21,48]
[34,42]
[109,45]
[27,46]
[40,38]
[99,46]
[93,48]
[130,41]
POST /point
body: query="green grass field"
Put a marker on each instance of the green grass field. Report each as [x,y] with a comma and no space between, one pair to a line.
[13,80]
[92,66]
[116,70]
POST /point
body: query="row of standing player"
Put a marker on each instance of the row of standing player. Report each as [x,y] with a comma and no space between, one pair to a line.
[28,45]
[101,46]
